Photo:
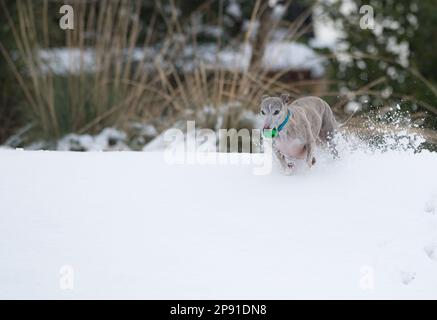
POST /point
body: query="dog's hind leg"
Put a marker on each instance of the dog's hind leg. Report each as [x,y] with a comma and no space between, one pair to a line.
[327,133]
[310,149]
[333,149]
[331,144]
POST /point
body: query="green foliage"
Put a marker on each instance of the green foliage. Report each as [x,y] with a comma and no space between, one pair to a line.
[213,19]
[399,50]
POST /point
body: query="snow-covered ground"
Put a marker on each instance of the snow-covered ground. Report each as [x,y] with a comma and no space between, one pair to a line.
[279,55]
[130,225]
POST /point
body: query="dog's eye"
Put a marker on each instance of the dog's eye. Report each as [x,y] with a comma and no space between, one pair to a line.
[263,113]
[276,112]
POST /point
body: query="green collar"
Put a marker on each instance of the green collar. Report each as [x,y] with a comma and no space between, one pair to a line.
[272,133]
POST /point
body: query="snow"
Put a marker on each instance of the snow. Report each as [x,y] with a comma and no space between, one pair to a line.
[279,55]
[290,55]
[130,225]
[326,34]
[352,106]
[67,60]
[110,139]
[234,9]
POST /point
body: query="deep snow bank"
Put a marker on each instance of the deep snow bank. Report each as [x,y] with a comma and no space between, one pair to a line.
[129,225]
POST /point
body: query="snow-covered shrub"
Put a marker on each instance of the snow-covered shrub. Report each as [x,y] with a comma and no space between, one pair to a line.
[109,139]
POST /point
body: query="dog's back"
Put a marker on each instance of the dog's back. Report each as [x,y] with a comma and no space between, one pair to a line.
[319,114]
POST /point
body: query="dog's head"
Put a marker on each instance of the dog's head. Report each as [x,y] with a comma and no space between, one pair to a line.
[274,110]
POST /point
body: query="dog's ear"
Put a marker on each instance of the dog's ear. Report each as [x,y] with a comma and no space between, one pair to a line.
[264,96]
[285,97]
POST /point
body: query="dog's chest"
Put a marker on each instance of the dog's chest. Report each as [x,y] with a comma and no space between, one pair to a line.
[290,147]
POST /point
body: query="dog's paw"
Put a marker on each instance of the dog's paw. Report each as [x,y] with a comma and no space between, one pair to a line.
[431,250]
[407,277]
[288,169]
[311,162]
[430,205]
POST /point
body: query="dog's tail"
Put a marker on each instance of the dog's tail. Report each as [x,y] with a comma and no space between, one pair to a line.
[347,120]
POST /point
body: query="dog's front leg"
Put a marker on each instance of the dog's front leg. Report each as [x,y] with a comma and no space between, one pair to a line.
[282,161]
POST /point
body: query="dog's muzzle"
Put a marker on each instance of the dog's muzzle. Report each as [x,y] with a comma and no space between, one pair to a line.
[270,133]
